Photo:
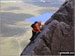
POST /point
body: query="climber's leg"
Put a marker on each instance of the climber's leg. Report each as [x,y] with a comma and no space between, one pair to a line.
[33,34]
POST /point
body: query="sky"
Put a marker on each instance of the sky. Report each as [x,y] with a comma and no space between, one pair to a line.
[32,0]
[42,18]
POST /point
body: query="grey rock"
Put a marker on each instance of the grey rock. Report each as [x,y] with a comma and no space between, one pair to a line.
[57,34]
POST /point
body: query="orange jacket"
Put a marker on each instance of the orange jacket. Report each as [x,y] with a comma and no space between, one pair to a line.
[36,28]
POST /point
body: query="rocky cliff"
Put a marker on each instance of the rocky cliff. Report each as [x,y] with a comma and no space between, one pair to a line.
[57,34]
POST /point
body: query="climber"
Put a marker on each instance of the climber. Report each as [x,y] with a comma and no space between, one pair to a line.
[35,28]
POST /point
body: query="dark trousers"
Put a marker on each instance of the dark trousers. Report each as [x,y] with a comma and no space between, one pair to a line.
[33,35]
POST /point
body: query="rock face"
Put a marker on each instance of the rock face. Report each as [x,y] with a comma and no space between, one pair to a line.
[57,34]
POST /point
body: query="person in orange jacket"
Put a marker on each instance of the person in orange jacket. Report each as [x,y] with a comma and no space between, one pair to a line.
[35,29]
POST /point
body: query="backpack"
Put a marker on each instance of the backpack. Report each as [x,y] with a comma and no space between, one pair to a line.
[33,25]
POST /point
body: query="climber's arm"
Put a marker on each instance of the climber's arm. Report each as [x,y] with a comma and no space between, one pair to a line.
[38,28]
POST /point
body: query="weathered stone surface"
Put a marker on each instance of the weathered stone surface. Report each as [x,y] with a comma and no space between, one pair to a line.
[57,34]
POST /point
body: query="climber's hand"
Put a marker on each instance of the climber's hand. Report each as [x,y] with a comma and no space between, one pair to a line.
[40,31]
